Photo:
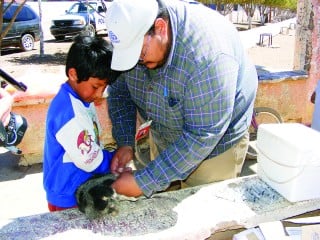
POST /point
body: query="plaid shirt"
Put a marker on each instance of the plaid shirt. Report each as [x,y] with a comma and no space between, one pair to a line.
[200,102]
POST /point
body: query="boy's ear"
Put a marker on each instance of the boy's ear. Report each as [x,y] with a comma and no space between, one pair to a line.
[72,74]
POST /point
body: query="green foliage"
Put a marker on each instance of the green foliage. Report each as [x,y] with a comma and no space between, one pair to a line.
[283,4]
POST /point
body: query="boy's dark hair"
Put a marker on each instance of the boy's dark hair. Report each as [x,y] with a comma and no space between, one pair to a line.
[91,57]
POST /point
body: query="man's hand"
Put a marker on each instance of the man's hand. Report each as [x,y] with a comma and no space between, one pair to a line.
[127,185]
[121,158]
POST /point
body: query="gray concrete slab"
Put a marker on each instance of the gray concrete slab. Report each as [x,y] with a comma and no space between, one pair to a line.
[192,213]
[22,192]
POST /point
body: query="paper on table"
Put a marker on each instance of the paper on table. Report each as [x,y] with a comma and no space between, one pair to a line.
[310,232]
[272,230]
[306,220]
[249,234]
[294,233]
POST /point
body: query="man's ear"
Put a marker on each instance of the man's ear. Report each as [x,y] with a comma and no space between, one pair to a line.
[72,74]
[161,27]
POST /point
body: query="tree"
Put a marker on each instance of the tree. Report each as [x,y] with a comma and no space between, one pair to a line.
[249,6]
[224,7]
[283,8]
[41,32]
[264,11]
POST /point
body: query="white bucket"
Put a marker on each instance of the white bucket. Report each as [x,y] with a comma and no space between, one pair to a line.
[289,160]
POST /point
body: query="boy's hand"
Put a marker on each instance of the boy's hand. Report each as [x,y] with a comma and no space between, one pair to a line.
[120,160]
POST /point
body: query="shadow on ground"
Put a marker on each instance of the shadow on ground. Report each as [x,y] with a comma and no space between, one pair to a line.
[267,74]
[48,59]
[56,56]
[249,167]
[11,170]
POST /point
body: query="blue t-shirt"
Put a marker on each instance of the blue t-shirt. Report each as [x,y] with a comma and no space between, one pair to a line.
[72,149]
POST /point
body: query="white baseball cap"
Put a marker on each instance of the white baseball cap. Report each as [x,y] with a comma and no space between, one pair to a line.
[127,23]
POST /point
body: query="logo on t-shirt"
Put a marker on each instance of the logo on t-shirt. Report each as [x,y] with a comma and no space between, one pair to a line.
[85,141]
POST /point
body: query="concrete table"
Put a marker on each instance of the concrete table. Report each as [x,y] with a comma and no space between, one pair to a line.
[194,213]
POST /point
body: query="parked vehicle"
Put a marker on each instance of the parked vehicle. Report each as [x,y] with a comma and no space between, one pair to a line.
[82,16]
[25,30]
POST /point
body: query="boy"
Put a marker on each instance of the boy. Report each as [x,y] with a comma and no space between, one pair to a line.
[72,151]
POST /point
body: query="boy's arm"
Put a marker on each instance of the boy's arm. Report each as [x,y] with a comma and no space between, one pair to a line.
[81,147]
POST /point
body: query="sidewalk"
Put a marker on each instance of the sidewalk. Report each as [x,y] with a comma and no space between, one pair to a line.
[21,187]
[251,37]
[280,55]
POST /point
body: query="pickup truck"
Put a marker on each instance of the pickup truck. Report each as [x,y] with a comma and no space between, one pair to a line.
[82,16]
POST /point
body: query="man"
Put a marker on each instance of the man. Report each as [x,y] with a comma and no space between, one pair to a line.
[188,77]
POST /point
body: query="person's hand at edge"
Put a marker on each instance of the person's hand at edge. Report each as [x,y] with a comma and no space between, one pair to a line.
[313,97]
[127,185]
[6,101]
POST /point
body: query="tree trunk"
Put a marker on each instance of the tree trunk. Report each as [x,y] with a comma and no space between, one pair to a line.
[41,31]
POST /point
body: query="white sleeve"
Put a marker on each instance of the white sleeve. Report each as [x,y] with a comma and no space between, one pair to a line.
[80,146]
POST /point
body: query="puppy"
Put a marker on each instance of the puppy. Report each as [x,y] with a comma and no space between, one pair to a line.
[96,197]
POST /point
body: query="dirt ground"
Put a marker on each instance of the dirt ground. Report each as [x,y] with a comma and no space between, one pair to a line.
[16,63]
[279,56]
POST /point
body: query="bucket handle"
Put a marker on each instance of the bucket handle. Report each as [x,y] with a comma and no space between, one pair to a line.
[281,182]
